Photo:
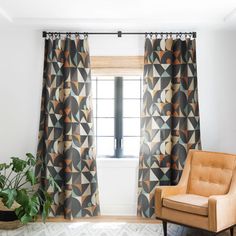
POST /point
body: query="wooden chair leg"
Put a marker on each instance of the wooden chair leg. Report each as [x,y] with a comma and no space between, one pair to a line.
[164,224]
[232,231]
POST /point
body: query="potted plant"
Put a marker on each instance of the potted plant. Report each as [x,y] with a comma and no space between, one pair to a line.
[22,198]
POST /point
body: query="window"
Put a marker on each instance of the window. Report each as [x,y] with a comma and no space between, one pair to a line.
[117,107]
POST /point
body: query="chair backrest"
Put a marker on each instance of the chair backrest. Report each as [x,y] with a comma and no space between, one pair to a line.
[210,173]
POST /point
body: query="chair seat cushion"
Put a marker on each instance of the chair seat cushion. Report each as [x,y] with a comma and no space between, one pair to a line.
[190,203]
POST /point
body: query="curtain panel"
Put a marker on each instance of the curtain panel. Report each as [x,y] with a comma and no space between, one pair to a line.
[170,115]
[66,147]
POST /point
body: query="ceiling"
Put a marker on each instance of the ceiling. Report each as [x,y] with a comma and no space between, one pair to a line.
[132,15]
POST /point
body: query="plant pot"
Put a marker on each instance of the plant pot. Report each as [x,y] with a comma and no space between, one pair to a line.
[8,218]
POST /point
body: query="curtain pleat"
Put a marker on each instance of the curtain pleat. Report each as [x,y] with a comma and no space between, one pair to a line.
[170,115]
[66,148]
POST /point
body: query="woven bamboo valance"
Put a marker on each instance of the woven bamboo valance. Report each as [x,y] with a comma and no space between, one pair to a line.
[117,65]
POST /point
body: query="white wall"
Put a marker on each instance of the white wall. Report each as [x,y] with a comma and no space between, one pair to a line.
[217,95]
[21,60]
[118,186]
[110,45]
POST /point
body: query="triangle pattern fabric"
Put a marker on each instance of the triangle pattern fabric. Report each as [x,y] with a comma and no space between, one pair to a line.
[174,126]
[65,142]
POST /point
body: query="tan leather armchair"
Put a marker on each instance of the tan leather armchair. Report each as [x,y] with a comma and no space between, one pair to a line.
[205,197]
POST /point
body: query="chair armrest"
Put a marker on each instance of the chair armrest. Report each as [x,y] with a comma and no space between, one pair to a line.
[165,191]
[222,208]
[180,188]
[221,211]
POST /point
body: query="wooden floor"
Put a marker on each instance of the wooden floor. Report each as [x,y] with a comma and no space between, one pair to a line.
[128,219]
[173,230]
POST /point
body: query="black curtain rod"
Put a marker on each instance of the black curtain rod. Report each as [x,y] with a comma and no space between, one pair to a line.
[119,33]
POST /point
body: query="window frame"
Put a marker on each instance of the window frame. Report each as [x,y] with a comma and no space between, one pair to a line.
[118,100]
[117,67]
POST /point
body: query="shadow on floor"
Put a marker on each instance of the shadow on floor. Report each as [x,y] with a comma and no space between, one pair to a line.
[177,230]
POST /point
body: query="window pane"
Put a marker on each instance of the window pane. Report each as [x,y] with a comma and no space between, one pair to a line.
[105,126]
[131,89]
[105,146]
[95,126]
[94,88]
[94,108]
[131,126]
[131,146]
[131,108]
[105,108]
[105,89]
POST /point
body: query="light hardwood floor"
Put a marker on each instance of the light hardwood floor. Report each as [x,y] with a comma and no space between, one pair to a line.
[128,219]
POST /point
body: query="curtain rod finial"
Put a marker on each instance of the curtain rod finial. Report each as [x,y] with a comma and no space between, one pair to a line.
[44,34]
[194,34]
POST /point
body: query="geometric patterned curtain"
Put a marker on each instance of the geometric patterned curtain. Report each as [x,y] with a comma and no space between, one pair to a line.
[170,115]
[66,147]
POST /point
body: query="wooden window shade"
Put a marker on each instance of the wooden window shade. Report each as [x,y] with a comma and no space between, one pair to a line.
[117,65]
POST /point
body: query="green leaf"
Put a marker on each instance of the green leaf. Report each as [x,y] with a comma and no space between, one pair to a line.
[29,208]
[46,206]
[30,155]
[18,164]
[30,204]
[31,177]
[22,197]
[4,166]
[33,205]
[2,181]
[8,196]
[45,202]
[45,212]
[54,184]
[31,159]
[19,212]
[25,218]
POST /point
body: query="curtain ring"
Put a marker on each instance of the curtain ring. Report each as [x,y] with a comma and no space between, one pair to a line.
[85,35]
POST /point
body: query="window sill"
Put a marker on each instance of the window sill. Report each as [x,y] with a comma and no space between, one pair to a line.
[128,162]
